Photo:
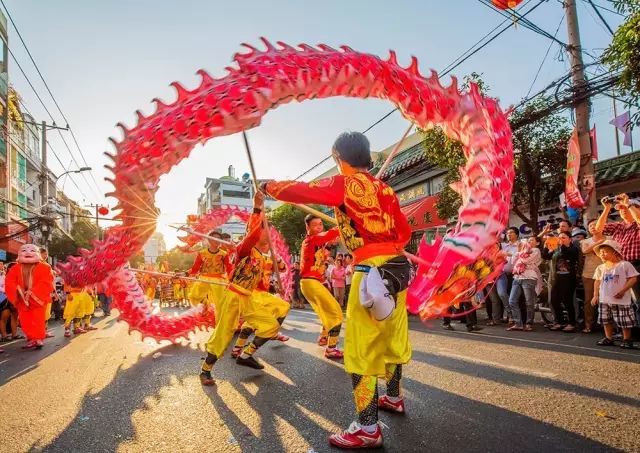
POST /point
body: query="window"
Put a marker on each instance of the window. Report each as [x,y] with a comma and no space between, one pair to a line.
[437,184]
[236,194]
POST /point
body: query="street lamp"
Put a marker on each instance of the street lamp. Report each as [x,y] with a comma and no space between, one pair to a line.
[79,170]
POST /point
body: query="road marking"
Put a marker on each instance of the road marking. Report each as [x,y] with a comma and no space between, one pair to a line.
[607,351]
[446,353]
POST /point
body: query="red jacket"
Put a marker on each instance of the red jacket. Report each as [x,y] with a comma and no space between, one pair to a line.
[367,211]
[40,286]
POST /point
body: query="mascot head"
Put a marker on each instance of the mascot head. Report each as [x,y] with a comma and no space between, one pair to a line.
[29,254]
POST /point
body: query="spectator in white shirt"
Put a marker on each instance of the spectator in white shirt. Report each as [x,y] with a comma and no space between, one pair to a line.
[614,280]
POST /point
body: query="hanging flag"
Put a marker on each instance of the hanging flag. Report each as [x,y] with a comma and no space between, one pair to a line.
[623,122]
[594,143]
[572,195]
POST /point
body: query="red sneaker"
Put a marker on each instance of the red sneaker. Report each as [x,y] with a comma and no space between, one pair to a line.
[281,337]
[39,344]
[333,353]
[49,335]
[387,405]
[30,345]
[67,333]
[356,437]
[235,352]
[206,379]
[322,340]
[79,330]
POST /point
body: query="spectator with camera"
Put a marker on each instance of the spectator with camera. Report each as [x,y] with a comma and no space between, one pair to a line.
[626,232]
[564,272]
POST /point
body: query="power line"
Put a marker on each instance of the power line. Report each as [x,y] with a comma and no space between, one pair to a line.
[609,10]
[520,18]
[544,58]
[600,16]
[52,96]
[447,69]
[65,168]
[45,108]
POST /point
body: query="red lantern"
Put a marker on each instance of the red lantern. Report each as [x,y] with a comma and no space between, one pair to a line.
[103,210]
[506,4]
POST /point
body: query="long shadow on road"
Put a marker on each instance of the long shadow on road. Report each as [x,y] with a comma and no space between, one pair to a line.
[310,394]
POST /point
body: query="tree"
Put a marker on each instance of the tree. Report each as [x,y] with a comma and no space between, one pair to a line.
[137,260]
[177,259]
[82,232]
[539,161]
[623,54]
[289,221]
[446,153]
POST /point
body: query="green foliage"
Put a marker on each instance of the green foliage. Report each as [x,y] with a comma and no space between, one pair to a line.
[137,260]
[61,246]
[289,221]
[540,160]
[178,260]
[82,232]
[623,54]
[443,152]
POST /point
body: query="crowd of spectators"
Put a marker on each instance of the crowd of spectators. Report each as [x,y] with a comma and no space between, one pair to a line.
[574,270]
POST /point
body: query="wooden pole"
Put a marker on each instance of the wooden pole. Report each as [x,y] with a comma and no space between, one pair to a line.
[162,274]
[274,257]
[202,235]
[393,153]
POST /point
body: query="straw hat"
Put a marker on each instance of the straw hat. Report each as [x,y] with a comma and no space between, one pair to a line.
[609,243]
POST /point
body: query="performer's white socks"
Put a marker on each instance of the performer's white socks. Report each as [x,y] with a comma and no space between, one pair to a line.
[369,428]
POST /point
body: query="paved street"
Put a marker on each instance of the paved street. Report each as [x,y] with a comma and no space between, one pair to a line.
[489,391]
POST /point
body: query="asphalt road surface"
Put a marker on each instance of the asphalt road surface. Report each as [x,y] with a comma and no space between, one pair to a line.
[108,391]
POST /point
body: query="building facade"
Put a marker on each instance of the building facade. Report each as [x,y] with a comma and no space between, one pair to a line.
[230,191]
[154,248]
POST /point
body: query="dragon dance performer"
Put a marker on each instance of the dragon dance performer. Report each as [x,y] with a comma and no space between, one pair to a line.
[238,298]
[375,231]
[77,310]
[211,264]
[278,307]
[148,282]
[28,286]
[313,255]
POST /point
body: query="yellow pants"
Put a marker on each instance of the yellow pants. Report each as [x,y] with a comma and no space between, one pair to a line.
[150,292]
[323,303]
[253,311]
[178,292]
[277,307]
[47,312]
[75,306]
[205,293]
[370,345]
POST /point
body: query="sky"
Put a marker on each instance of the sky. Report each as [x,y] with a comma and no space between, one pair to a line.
[103,60]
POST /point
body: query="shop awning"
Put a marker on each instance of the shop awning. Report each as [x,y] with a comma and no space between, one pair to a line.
[423,214]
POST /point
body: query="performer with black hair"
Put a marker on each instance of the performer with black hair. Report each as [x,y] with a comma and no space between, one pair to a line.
[375,232]
[238,299]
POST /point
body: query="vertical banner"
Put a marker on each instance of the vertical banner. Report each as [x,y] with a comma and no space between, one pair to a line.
[594,143]
[572,194]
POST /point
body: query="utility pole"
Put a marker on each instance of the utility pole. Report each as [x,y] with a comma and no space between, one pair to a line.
[44,190]
[97,208]
[586,176]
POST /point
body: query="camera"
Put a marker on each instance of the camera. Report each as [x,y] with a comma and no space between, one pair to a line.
[610,199]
